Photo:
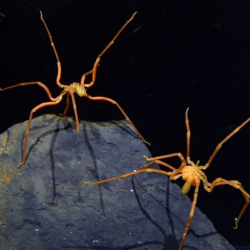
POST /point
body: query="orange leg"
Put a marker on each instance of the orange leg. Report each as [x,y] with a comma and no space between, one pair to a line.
[236,184]
[143,169]
[59,68]
[160,163]
[174,175]
[104,51]
[66,110]
[71,94]
[188,135]
[32,83]
[219,144]
[54,101]
[84,77]
[101,98]
[191,214]
[223,141]
[168,156]
[75,110]
[42,105]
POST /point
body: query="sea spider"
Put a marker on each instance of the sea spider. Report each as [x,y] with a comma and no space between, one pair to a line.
[192,173]
[74,88]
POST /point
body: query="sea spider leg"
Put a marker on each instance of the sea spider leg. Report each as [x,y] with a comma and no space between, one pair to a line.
[142,169]
[59,67]
[42,105]
[188,136]
[191,214]
[218,147]
[176,171]
[42,85]
[102,53]
[54,101]
[236,184]
[106,99]
[66,110]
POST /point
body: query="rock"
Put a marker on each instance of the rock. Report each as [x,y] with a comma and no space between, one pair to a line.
[45,205]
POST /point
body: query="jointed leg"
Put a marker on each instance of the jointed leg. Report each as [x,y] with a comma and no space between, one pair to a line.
[66,110]
[143,169]
[42,105]
[59,68]
[32,83]
[104,51]
[191,214]
[74,107]
[183,161]
[159,162]
[225,140]
[174,175]
[236,184]
[188,136]
[101,98]
[54,101]
[75,111]
[84,77]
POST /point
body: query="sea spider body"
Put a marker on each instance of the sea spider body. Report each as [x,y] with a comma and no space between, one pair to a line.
[75,87]
[191,174]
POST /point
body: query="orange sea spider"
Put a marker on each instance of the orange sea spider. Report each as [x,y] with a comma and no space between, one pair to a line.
[192,173]
[74,88]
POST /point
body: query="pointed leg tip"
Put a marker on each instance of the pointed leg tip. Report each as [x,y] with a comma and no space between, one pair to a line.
[20,165]
[236,225]
[88,183]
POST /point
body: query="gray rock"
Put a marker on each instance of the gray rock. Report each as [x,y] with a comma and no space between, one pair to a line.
[45,205]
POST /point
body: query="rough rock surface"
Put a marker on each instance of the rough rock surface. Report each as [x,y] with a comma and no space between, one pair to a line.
[45,205]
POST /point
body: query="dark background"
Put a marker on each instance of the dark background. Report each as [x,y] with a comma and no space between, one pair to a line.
[174,55]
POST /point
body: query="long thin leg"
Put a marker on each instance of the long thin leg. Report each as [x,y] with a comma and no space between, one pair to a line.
[66,110]
[236,184]
[59,68]
[191,214]
[104,51]
[32,83]
[74,107]
[223,141]
[84,77]
[101,98]
[143,169]
[75,111]
[168,156]
[42,105]
[188,136]
[160,163]
[174,175]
